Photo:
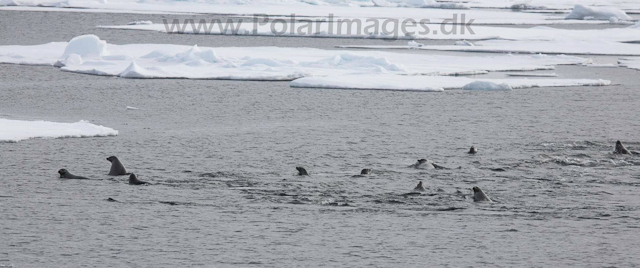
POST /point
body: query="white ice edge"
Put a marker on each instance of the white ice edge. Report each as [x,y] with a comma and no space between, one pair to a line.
[18,130]
[533,74]
[431,83]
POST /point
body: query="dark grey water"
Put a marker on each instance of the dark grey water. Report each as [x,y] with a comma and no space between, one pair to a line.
[221,156]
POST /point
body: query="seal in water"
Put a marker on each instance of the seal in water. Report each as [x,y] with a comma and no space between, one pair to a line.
[365,171]
[473,150]
[419,187]
[66,175]
[426,164]
[479,196]
[620,149]
[117,169]
[302,171]
[133,180]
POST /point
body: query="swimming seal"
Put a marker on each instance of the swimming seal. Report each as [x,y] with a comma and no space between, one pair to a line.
[426,164]
[479,196]
[365,171]
[117,168]
[620,149]
[66,175]
[419,187]
[302,171]
[133,180]
[473,150]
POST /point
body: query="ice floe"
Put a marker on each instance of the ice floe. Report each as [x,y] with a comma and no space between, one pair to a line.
[435,11]
[373,29]
[435,83]
[367,28]
[581,12]
[548,4]
[17,130]
[258,63]
[541,39]
[631,63]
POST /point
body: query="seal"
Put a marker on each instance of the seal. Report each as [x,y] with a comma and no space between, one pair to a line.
[302,171]
[66,175]
[479,196]
[133,180]
[426,164]
[117,168]
[365,171]
[473,150]
[620,149]
[419,187]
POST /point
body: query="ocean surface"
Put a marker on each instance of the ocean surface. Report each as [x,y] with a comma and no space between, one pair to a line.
[221,157]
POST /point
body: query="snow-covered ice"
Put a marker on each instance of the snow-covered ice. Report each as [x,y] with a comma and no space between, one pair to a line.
[435,83]
[631,63]
[581,12]
[548,4]
[541,39]
[436,13]
[354,30]
[17,130]
[258,63]
[373,29]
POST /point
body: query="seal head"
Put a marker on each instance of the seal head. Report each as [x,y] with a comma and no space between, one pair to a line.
[620,149]
[365,171]
[423,164]
[302,171]
[473,150]
[66,175]
[479,196]
[133,180]
[419,187]
[117,168]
